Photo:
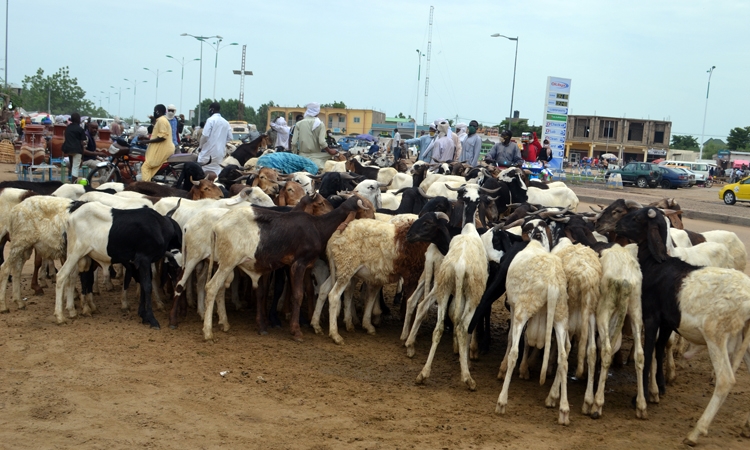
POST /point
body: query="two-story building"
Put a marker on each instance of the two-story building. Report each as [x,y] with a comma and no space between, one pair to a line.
[628,139]
[339,120]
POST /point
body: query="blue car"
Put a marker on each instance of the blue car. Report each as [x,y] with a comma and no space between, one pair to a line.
[672,178]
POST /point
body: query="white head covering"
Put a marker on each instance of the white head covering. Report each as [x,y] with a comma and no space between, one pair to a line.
[444,128]
[440,121]
[141,131]
[461,131]
[313,109]
[117,119]
[280,121]
[170,114]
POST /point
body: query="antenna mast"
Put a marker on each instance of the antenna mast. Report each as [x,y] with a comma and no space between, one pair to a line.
[427,68]
[242,72]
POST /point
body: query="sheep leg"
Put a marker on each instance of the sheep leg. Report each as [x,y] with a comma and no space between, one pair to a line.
[636,324]
[64,283]
[145,309]
[523,369]
[350,312]
[88,279]
[156,290]
[212,289]
[606,352]
[200,285]
[517,325]
[297,272]
[411,306]
[504,362]
[559,389]
[334,307]
[261,293]
[724,381]
[325,288]
[16,269]
[309,295]
[371,297]
[4,269]
[35,277]
[661,344]
[379,308]
[462,334]
[651,330]
[436,335]
[9,267]
[588,398]
[422,310]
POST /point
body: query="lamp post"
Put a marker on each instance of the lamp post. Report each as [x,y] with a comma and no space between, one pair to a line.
[513,89]
[107,97]
[182,63]
[6,44]
[705,110]
[217,46]
[119,97]
[135,92]
[419,75]
[156,96]
[200,76]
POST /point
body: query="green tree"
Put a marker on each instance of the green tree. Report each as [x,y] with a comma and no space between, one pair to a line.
[335,104]
[401,116]
[520,126]
[738,138]
[230,111]
[62,92]
[684,142]
[710,149]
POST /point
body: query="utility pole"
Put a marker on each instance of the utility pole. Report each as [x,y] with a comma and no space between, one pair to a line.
[242,72]
[427,67]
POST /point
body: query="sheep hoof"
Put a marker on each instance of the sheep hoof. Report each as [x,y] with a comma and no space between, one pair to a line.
[500,409]
[641,414]
[318,330]
[225,328]
[208,336]
[420,378]
[746,430]
[338,339]
[550,402]
[596,415]
[124,309]
[471,384]
[410,351]
[173,327]
[262,332]
[38,291]
[156,327]
[372,332]
[4,311]
[689,441]
[653,398]
[350,327]
[524,374]
[564,418]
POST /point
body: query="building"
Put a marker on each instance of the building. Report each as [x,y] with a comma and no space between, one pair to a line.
[628,139]
[339,120]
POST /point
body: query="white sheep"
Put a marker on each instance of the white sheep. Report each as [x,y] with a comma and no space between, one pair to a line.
[370,189]
[563,197]
[400,181]
[391,200]
[706,254]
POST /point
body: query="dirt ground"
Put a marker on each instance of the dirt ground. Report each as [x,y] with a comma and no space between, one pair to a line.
[109,382]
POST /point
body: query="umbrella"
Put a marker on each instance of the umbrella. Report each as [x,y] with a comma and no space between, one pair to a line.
[366,137]
[658,160]
[608,156]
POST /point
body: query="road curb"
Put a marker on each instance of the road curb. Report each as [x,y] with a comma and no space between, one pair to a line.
[688,213]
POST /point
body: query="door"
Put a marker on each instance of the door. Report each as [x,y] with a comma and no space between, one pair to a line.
[743,190]
[629,172]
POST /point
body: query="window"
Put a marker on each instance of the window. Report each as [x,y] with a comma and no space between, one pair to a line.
[659,133]
[581,128]
[356,120]
[645,167]
[635,131]
[632,167]
[607,129]
[330,122]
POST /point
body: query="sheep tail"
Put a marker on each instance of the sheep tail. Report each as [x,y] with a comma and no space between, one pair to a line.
[553,292]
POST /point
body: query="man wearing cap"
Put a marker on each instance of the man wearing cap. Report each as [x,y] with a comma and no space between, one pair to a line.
[213,144]
[472,145]
[171,110]
[309,137]
[506,152]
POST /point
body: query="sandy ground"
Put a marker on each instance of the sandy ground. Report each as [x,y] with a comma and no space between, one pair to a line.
[109,382]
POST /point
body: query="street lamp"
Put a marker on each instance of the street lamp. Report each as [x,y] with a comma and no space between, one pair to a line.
[217,46]
[200,76]
[705,110]
[119,97]
[182,72]
[156,96]
[6,44]
[97,98]
[513,89]
[135,92]
[107,97]
[419,75]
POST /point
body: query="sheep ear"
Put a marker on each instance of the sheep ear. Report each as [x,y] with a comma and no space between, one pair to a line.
[655,242]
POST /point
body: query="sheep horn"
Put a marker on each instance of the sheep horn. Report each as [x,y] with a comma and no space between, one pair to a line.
[493,199]
[195,183]
[348,176]
[514,224]
[282,183]
[454,189]
[243,177]
[595,210]
[565,219]
[362,206]
[423,193]
[632,204]
[170,213]
[442,215]
[549,214]
[490,191]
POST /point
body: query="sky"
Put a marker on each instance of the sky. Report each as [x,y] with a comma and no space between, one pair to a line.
[638,59]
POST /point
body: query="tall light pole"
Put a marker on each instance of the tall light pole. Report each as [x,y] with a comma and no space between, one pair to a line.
[156,96]
[119,97]
[107,97]
[705,110]
[513,89]
[200,76]
[182,63]
[419,75]
[135,92]
[6,44]
[217,46]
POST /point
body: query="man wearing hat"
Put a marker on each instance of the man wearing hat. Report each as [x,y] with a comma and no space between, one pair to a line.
[310,137]
[171,111]
[472,145]
[506,152]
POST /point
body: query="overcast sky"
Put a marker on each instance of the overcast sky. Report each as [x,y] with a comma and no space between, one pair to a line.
[636,58]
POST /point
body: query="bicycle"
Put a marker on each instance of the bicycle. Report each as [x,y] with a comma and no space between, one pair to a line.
[124,167]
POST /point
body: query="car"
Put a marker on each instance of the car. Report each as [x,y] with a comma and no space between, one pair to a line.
[736,192]
[240,130]
[672,178]
[641,174]
[692,176]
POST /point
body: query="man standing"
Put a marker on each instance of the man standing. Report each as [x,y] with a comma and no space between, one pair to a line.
[116,129]
[396,144]
[472,145]
[171,110]
[216,134]
[506,152]
[310,137]
[282,134]
[160,145]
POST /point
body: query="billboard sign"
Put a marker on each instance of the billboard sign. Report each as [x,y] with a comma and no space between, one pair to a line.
[556,111]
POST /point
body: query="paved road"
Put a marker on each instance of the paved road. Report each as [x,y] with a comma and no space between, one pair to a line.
[700,226]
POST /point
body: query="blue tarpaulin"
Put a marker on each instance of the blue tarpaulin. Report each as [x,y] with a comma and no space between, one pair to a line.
[287,163]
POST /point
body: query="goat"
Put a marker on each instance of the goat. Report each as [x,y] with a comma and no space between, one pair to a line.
[707,306]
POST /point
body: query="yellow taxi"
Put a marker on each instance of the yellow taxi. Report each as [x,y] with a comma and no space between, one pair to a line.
[736,192]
